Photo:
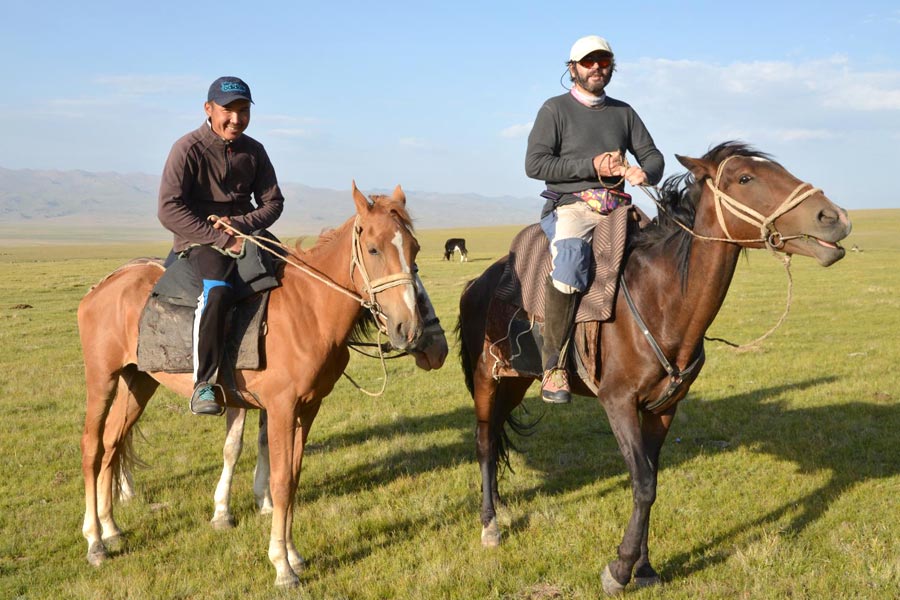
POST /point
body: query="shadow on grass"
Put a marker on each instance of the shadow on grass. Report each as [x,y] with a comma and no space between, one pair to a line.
[852,442]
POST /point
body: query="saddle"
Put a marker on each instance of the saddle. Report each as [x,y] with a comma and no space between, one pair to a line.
[165,332]
[514,328]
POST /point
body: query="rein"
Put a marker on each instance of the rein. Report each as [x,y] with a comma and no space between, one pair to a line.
[372,288]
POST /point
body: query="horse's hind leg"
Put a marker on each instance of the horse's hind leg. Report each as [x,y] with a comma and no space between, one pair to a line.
[134,390]
[100,393]
[494,401]
[104,427]
[261,471]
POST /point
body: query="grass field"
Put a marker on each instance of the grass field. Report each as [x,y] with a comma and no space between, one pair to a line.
[780,478]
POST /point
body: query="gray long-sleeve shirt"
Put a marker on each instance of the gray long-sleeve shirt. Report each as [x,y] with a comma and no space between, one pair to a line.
[205,175]
[567,135]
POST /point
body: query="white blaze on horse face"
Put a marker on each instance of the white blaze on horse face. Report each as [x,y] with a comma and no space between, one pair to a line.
[408,294]
[426,299]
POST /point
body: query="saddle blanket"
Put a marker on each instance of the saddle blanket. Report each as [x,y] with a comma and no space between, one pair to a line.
[523,280]
[165,334]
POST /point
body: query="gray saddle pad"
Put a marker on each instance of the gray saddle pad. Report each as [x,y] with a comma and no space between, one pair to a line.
[523,280]
[166,330]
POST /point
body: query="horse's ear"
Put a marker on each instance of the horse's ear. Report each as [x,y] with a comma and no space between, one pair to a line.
[362,203]
[398,196]
[698,167]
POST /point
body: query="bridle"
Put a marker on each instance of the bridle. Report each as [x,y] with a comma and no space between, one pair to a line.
[769,234]
[374,287]
[370,287]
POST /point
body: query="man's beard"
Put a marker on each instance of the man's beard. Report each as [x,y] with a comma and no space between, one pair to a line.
[595,88]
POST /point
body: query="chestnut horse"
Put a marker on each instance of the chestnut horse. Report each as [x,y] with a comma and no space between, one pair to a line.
[722,201]
[429,352]
[367,262]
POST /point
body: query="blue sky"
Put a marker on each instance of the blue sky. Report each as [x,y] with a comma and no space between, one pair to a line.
[440,96]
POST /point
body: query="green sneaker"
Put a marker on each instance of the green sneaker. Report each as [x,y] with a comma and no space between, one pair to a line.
[203,401]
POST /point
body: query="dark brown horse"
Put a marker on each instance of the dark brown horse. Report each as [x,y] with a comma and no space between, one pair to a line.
[733,198]
[368,260]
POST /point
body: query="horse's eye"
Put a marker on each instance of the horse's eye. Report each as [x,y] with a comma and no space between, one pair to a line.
[373,250]
[744,179]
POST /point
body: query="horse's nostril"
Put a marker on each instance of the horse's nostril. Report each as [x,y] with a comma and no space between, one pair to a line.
[828,217]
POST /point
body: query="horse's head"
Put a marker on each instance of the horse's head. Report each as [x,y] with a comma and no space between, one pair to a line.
[758,203]
[384,253]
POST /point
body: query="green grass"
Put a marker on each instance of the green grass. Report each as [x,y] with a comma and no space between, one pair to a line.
[780,477]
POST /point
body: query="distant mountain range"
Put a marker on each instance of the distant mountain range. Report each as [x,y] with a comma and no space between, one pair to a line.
[32,199]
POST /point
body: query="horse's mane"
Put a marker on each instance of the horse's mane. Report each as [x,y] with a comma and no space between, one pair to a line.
[679,195]
[380,201]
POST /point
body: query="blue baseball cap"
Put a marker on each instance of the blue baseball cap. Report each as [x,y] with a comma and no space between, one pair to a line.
[226,90]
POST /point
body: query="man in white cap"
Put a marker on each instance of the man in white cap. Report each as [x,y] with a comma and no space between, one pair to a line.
[216,170]
[577,147]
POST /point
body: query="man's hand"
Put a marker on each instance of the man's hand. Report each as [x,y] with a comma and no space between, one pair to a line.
[609,164]
[235,246]
[220,222]
[635,176]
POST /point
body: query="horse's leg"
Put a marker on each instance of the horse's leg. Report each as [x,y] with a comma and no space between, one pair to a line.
[134,390]
[261,471]
[101,389]
[654,429]
[307,415]
[231,452]
[287,429]
[625,422]
[493,403]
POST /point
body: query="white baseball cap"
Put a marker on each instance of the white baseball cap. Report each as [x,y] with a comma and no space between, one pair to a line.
[586,45]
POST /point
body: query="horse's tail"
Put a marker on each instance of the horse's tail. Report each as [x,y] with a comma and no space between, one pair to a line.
[124,461]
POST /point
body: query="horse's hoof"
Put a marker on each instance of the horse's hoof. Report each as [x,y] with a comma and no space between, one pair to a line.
[642,582]
[490,535]
[297,564]
[610,585]
[222,523]
[114,543]
[289,580]
[96,554]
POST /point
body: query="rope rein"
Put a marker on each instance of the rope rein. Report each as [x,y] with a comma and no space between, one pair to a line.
[371,287]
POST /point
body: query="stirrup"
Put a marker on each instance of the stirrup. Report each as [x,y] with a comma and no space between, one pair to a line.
[555,387]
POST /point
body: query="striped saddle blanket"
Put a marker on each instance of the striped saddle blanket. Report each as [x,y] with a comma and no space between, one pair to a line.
[523,280]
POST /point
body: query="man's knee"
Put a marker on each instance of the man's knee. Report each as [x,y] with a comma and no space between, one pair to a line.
[571,265]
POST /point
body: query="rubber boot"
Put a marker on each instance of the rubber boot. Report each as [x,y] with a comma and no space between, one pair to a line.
[559,312]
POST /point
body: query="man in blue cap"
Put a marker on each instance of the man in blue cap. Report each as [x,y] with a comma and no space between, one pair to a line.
[216,170]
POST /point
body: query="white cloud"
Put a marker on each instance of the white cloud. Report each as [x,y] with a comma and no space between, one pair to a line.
[517,131]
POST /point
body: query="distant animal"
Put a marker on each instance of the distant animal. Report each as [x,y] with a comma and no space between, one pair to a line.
[456,245]
[639,380]
[856,248]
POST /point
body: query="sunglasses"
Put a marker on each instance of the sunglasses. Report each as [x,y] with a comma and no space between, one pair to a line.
[588,63]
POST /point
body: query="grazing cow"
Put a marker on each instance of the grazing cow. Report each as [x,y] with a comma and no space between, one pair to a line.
[456,244]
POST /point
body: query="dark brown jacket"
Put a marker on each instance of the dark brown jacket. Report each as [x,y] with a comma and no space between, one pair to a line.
[204,175]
